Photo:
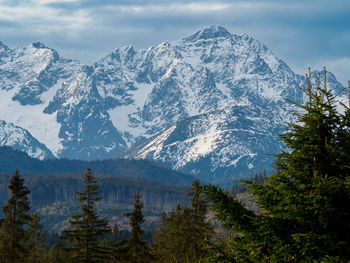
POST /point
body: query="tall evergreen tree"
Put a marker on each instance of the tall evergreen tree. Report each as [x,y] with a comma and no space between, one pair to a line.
[200,229]
[38,252]
[86,228]
[305,215]
[180,234]
[57,254]
[138,248]
[118,245]
[170,242]
[15,237]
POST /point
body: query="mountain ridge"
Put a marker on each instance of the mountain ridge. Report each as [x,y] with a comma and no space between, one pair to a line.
[129,96]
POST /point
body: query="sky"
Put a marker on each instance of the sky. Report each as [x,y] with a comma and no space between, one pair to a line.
[303,33]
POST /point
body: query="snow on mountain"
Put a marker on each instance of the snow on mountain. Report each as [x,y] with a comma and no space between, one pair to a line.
[233,141]
[212,72]
[193,76]
[29,79]
[201,90]
[20,139]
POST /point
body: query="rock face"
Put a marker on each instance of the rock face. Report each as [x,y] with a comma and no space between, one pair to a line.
[210,104]
[216,145]
[22,140]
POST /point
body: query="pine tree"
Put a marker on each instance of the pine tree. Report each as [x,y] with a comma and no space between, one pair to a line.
[15,237]
[180,234]
[138,248]
[118,245]
[57,254]
[199,229]
[170,240]
[304,206]
[36,247]
[86,228]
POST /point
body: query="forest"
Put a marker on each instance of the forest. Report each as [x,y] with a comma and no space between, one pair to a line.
[301,211]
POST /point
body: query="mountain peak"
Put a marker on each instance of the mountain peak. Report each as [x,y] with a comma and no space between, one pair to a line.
[38,45]
[209,32]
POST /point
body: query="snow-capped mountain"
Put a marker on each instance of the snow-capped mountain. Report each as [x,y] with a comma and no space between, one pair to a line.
[210,104]
[29,78]
[22,140]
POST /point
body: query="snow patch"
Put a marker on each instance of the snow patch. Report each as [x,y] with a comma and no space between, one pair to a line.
[120,116]
[41,126]
[156,146]
[235,161]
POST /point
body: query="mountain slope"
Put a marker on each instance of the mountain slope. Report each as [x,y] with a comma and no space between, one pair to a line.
[138,100]
[22,140]
[29,79]
[216,145]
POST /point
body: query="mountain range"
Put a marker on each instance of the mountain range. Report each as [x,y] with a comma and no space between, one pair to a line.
[210,104]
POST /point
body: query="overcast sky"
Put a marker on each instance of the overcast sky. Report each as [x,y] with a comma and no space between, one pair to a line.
[303,33]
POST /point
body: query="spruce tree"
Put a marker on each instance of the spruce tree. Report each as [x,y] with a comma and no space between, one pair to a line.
[57,254]
[86,228]
[181,233]
[170,242]
[138,248]
[199,228]
[38,252]
[15,237]
[119,245]
[304,207]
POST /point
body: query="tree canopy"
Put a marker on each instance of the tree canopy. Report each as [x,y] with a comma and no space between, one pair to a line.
[86,228]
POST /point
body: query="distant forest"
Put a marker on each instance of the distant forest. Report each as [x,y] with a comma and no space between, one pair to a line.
[11,159]
[54,183]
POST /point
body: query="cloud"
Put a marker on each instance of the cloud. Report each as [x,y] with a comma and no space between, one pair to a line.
[37,17]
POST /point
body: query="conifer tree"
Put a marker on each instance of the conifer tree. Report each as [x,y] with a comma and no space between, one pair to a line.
[86,228]
[305,215]
[36,247]
[138,248]
[57,254]
[15,237]
[180,234]
[170,240]
[118,245]
[200,229]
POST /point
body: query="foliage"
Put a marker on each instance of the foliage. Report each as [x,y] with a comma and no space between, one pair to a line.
[11,159]
[57,254]
[20,232]
[118,245]
[85,229]
[304,206]
[138,248]
[53,196]
[181,233]
[36,244]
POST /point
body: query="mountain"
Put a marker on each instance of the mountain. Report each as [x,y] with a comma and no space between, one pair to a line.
[29,78]
[210,104]
[217,145]
[22,140]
